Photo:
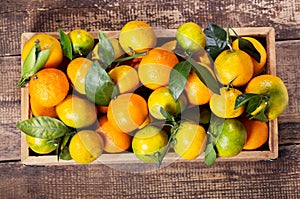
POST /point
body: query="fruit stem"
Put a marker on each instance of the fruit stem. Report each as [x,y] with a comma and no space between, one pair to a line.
[228,39]
[174,129]
[230,84]
[134,55]
[164,152]
[21,82]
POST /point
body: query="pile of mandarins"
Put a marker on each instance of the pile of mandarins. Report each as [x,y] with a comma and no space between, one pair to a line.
[135,92]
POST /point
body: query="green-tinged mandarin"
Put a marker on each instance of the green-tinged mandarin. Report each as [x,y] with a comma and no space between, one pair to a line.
[234,66]
[82,42]
[231,139]
[275,89]
[258,66]
[223,105]
[190,37]
[149,143]
[40,145]
[162,98]
[189,140]
[137,36]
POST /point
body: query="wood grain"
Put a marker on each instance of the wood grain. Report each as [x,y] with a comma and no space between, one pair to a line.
[10,101]
[47,16]
[264,179]
[288,60]
[260,179]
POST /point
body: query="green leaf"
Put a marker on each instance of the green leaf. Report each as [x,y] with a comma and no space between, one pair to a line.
[99,87]
[210,154]
[63,148]
[40,61]
[29,62]
[205,76]
[178,78]
[27,67]
[260,116]
[34,61]
[66,44]
[166,115]
[253,103]
[249,48]
[105,49]
[43,127]
[132,56]
[215,40]
[243,99]
[65,154]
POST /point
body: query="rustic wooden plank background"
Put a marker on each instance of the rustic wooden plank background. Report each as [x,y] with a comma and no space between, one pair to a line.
[265,179]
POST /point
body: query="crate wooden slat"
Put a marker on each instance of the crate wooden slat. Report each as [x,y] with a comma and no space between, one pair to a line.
[266,33]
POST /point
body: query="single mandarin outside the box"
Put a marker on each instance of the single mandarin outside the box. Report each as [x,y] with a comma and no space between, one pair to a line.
[257,133]
[196,91]
[48,87]
[82,42]
[162,98]
[77,70]
[137,36]
[86,146]
[235,66]
[155,68]
[190,37]
[40,145]
[125,77]
[275,89]
[127,112]
[76,112]
[190,140]
[148,143]
[40,110]
[223,105]
[258,66]
[118,51]
[115,141]
[46,41]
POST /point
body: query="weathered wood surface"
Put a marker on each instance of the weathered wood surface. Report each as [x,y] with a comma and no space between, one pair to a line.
[27,16]
[264,179]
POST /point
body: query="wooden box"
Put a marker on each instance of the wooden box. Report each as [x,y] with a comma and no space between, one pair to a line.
[266,34]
